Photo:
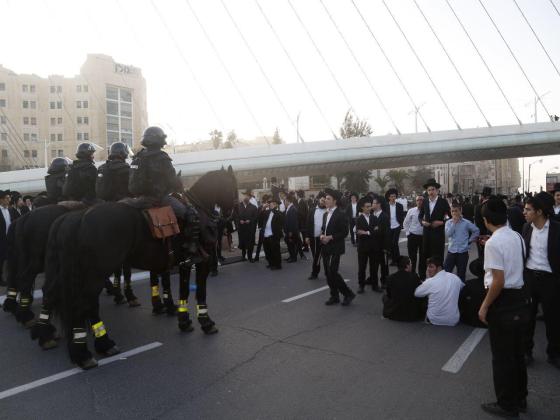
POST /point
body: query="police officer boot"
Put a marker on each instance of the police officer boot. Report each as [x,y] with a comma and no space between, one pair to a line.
[44,331]
[183,318]
[79,353]
[10,304]
[24,314]
[130,297]
[207,325]
[170,307]
[103,344]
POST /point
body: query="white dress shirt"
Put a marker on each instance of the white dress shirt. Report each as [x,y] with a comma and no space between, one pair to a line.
[432,204]
[538,256]
[411,222]
[354,210]
[7,217]
[377,213]
[318,221]
[268,226]
[393,210]
[504,251]
[443,298]
[556,209]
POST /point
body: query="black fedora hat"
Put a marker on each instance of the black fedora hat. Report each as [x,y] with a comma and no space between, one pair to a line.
[431,183]
[486,192]
[556,188]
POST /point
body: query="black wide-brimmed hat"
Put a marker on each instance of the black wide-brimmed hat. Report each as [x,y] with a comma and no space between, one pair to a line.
[431,183]
[333,193]
[393,191]
[486,192]
[556,188]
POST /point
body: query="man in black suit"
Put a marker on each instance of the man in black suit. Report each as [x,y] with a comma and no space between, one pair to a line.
[479,222]
[396,217]
[352,210]
[381,242]
[263,208]
[9,214]
[334,232]
[432,216]
[364,238]
[556,194]
[399,302]
[302,210]
[542,272]
[291,228]
[272,233]
[515,214]
[247,223]
[468,210]
[313,234]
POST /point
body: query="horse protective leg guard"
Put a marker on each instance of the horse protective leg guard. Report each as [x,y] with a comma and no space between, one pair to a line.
[24,314]
[207,325]
[103,344]
[170,307]
[183,318]
[10,304]
[77,348]
[157,305]
[44,331]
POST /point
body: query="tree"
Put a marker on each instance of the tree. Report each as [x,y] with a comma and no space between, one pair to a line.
[276,139]
[231,140]
[398,176]
[356,181]
[419,176]
[217,138]
[382,182]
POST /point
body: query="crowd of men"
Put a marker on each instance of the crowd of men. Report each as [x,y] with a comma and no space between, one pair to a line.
[517,269]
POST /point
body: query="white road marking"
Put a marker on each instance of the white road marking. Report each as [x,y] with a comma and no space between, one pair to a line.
[70,372]
[456,362]
[311,292]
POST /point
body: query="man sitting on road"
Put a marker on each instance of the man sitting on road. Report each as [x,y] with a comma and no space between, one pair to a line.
[399,302]
[442,289]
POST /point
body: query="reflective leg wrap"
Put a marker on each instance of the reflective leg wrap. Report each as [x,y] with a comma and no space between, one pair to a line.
[183,318]
[24,314]
[207,325]
[78,350]
[99,329]
[103,344]
[44,331]
[10,304]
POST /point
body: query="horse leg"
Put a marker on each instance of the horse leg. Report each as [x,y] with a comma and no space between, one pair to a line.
[206,323]
[128,293]
[185,323]
[24,314]
[10,304]
[170,307]
[43,330]
[77,344]
[117,292]
[157,304]
[103,344]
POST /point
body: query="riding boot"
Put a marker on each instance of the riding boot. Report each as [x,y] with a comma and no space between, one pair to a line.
[24,314]
[79,353]
[207,325]
[185,323]
[10,304]
[44,331]
[103,344]
[130,297]
[157,305]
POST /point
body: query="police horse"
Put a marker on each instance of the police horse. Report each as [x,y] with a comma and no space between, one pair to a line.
[85,247]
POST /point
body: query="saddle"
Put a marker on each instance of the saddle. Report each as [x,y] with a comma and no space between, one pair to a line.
[72,205]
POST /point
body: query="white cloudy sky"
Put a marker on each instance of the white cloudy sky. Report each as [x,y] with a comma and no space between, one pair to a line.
[164,38]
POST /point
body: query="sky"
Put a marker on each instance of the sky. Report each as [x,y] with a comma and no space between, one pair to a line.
[256,65]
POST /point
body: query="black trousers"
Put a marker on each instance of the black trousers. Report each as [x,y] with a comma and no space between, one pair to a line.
[272,251]
[508,320]
[415,250]
[334,280]
[259,243]
[316,246]
[544,288]
[293,244]
[395,252]
[433,245]
[352,223]
[365,256]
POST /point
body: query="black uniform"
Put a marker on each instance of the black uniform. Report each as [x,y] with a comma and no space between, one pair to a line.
[152,175]
[80,181]
[272,243]
[112,180]
[54,183]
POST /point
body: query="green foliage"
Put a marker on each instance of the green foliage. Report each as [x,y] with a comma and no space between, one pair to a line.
[419,177]
[397,177]
[382,182]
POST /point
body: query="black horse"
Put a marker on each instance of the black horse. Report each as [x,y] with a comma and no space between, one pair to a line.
[84,248]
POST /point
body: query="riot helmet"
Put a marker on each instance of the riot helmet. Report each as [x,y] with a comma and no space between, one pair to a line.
[119,150]
[58,165]
[85,151]
[153,137]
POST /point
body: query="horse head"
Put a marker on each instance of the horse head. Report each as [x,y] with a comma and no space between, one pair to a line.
[216,187]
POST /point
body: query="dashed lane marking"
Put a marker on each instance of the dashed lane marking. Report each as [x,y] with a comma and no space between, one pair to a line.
[71,372]
[457,361]
[311,292]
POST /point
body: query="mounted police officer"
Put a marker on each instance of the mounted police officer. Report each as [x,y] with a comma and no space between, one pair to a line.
[54,181]
[81,176]
[112,176]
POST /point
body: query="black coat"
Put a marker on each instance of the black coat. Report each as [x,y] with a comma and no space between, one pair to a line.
[302,211]
[291,223]
[276,224]
[516,218]
[468,212]
[310,225]
[399,302]
[152,175]
[80,181]
[112,180]
[553,245]
[381,231]
[349,211]
[3,236]
[366,243]
[338,228]
[441,211]
[54,184]
[479,221]
[401,214]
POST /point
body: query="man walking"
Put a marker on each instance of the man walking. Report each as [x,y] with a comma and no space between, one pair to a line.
[272,232]
[414,233]
[461,234]
[396,215]
[352,211]
[291,229]
[313,233]
[246,220]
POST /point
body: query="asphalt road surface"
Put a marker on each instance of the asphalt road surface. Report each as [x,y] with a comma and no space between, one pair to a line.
[271,360]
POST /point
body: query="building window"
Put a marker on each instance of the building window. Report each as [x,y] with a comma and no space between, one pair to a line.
[81,104]
[32,104]
[79,137]
[86,120]
[2,86]
[78,88]
[4,154]
[26,153]
[25,120]
[86,136]
[85,104]
[59,137]
[53,154]
[85,88]
[59,105]
[24,88]
[25,104]
[32,88]
[33,136]
[2,120]
[53,137]
[58,89]
[34,153]
[79,120]
[4,136]
[78,104]
[52,89]
[33,121]
[59,119]
[2,103]
[26,136]
[53,121]
[60,153]
[52,105]
[119,114]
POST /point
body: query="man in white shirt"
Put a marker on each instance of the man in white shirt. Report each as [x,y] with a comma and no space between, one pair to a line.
[506,311]
[442,289]
[414,231]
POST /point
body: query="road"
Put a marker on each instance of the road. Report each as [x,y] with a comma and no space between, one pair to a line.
[270,360]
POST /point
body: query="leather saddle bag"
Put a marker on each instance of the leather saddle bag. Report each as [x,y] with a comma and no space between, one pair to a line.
[162,221]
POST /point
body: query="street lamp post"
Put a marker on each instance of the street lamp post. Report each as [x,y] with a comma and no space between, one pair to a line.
[529,179]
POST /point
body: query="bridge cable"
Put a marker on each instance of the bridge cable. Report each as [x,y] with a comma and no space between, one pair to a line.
[187,65]
[391,65]
[259,65]
[360,67]
[232,80]
[537,38]
[452,63]
[320,54]
[553,5]
[517,61]
[484,62]
[295,68]
[422,65]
